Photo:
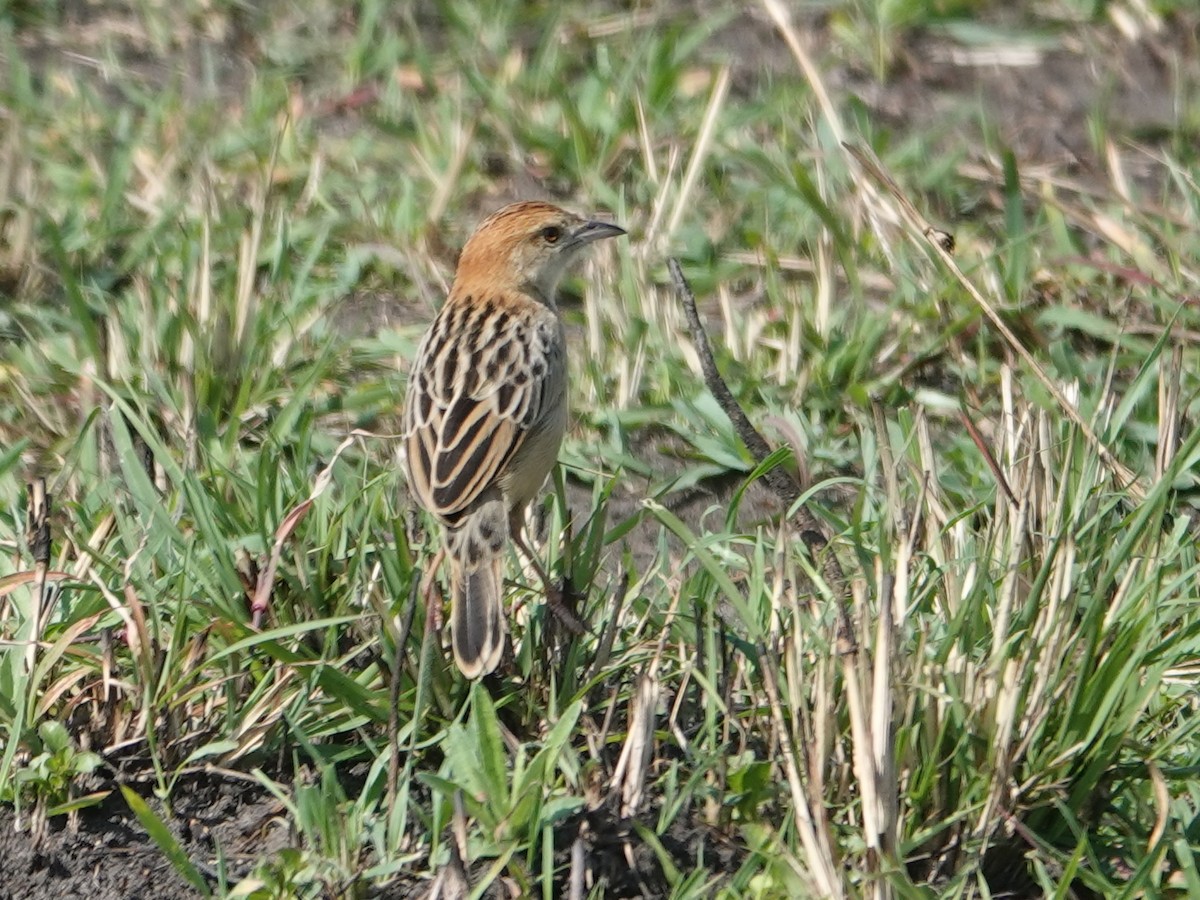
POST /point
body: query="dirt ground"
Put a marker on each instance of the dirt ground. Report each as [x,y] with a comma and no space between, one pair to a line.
[110,857]
[1038,102]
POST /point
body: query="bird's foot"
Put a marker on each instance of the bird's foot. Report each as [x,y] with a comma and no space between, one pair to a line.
[556,594]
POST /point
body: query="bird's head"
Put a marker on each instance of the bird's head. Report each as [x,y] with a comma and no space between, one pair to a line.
[527,247]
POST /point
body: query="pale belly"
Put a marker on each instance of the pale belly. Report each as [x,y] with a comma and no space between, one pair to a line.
[528,469]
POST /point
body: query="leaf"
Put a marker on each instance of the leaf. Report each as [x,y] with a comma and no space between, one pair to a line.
[712,566]
[54,736]
[10,583]
[273,636]
[669,869]
[543,763]
[77,803]
[489,746]
[161,835]
[86,762]
[247,887]
[465,765]
[213,748]
[559,809]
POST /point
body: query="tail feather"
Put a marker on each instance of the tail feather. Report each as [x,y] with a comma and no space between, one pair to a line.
[477,617]
[476,551]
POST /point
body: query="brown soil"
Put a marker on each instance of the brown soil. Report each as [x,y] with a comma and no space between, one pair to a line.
[109,856]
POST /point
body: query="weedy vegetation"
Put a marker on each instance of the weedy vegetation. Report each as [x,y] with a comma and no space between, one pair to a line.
[224,228]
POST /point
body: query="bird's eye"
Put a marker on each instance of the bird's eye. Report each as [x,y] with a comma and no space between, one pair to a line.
[551,234]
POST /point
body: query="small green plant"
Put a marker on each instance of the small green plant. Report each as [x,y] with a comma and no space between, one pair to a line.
[292,874]
[509,806]
[50,779]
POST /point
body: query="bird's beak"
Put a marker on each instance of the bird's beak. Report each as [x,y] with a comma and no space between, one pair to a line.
[592,231]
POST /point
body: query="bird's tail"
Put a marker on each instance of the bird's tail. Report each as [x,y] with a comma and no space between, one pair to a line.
[476,552]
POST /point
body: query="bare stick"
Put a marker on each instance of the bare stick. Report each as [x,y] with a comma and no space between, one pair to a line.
[812,532]
[38,537]
[401,638]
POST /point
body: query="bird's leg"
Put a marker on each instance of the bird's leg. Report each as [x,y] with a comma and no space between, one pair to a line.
[430,592]
[554,594]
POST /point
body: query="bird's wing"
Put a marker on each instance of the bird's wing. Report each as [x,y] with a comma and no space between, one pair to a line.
[477,387]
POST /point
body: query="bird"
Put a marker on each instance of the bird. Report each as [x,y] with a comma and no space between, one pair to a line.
[486,407]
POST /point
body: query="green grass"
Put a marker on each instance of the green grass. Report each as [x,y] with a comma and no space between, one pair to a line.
[211,284]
